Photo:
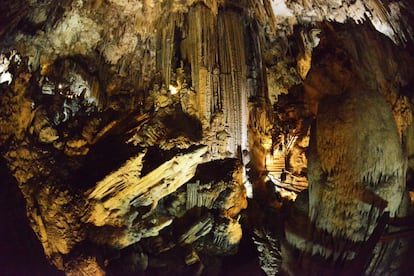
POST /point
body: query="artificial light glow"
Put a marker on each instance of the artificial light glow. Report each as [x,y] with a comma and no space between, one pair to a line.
[280,8]
[384,28]
[6,77]
[268,159]
[60,86]
[173,89]
[4,66]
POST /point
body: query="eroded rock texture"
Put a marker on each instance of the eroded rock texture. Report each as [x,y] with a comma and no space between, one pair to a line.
[350,198]
[136,129]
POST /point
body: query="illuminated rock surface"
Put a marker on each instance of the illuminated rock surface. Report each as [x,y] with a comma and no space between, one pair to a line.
[136,130]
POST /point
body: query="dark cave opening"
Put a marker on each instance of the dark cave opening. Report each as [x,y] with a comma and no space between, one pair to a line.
[21,253]
[96,96]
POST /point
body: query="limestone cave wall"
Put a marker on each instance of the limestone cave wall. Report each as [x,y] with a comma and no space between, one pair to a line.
[208,136]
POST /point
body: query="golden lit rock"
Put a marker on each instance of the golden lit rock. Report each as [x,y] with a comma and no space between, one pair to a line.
[132,132]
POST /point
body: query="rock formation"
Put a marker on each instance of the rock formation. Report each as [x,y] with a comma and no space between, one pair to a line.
[136,130]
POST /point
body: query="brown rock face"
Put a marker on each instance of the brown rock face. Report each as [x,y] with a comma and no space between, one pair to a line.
[356,168]
[136,130]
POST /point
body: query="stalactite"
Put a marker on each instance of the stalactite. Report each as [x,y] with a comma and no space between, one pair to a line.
[197,73]
[214,47]
[233,65]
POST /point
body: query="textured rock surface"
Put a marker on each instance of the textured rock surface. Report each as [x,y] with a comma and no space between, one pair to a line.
[348,193]
[132,128]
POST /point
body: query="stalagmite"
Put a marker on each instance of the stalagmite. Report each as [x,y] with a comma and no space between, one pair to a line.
[130,128]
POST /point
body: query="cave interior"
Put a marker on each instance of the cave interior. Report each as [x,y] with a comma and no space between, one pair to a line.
[207,137]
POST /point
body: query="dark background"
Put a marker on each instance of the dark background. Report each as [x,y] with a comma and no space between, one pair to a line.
[20,251]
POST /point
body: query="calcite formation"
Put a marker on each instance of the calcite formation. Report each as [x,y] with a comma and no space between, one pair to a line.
[123,189]
[349,197]
[371,187]
[133,128]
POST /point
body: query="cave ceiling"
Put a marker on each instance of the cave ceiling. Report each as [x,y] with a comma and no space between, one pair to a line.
[165,136]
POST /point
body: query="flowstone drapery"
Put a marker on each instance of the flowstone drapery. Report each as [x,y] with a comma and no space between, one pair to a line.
[135,130]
